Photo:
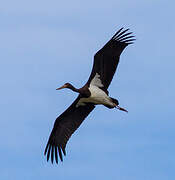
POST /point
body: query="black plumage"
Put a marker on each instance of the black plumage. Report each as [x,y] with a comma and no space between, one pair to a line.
[105,63]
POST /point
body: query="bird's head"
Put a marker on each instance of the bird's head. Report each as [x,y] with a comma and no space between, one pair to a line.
[66,85]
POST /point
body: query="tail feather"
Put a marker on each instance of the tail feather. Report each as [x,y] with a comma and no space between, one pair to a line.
[115,101]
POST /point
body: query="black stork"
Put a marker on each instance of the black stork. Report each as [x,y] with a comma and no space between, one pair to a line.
[94,92]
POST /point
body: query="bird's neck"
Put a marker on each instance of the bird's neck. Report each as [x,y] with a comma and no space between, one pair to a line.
[73,89]
[84,91]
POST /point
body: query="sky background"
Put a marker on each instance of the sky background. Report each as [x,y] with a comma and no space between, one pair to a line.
[47,43]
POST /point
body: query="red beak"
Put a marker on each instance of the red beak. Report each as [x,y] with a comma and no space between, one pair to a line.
[62,87]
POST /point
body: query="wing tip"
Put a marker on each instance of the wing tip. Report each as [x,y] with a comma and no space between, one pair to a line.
[50,150]
[123,36]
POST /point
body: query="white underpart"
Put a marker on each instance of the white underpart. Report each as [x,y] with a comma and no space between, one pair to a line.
[96,81]
[98,96]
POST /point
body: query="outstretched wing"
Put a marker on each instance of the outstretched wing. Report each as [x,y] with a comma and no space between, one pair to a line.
[107,58]
[64,127]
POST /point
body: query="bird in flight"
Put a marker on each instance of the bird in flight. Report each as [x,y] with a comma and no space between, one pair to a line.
[94,92]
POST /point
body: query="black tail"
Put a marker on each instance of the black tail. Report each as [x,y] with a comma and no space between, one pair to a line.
[115,101]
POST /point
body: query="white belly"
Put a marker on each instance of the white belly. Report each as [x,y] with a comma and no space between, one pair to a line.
[98,96]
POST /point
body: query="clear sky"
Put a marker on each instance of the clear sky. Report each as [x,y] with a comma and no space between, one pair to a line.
[47,43]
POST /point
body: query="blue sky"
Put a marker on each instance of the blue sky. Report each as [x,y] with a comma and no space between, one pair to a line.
[47,43]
